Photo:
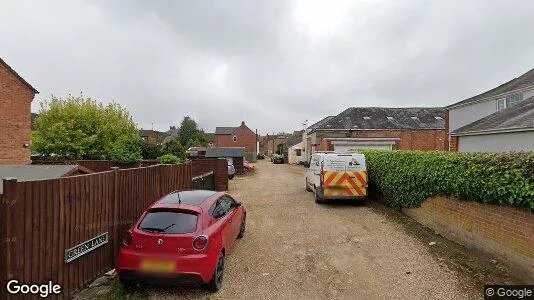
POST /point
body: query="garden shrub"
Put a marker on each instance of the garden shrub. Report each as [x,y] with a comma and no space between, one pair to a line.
[169,159]
[407,178]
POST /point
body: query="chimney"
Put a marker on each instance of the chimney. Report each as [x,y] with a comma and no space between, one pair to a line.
[172,127]
[243,123]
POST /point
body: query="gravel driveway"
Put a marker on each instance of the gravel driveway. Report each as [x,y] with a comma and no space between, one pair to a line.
[297,249]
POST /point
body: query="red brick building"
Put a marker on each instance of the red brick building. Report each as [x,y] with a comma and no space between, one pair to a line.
[381,128]
[241,136]
[270,144]
[16,96]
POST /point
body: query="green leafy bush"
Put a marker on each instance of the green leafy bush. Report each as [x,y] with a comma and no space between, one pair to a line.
[169,159]
[407,178]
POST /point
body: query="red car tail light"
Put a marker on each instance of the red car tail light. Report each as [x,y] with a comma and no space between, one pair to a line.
[127,240]
[200,242]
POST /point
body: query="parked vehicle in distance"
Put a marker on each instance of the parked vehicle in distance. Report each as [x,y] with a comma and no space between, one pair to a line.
[260,156]
[337,176]
[248,166]
[277,159]
[231,170]
[182,238]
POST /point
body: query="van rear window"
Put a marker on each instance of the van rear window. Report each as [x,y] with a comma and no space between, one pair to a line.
[162,221]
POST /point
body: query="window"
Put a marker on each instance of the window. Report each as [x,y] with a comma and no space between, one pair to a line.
[169,222]
[235,138]
[144,138]
[222,207]
[509,101]
[514,99]
[501,104]
[298,152]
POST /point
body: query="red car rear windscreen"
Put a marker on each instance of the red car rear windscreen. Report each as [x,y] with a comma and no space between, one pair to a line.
[162,221]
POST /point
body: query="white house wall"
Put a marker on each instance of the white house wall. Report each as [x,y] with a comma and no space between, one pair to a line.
[462,116]
[501,142]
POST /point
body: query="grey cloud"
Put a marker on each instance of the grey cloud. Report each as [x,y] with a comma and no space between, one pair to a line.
[158,58]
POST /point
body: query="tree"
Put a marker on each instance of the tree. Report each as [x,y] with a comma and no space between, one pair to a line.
[188,130]
[149,151]
[78,128]
[175,148]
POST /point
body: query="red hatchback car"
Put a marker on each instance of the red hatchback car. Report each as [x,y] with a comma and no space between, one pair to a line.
[182,238]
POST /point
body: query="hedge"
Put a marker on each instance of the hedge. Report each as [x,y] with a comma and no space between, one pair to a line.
[407,178]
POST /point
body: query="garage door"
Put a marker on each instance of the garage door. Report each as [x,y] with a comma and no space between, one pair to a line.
[351,148]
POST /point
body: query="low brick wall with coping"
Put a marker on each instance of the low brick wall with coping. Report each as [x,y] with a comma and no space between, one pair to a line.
[505,232]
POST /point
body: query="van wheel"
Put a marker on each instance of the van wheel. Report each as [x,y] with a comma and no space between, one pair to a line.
[317,198]
[307,186]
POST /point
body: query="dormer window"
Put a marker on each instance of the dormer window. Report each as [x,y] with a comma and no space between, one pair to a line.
[509,101]
[234,138]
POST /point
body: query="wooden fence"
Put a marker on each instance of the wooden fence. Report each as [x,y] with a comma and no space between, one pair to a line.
[94,165]
[40,220]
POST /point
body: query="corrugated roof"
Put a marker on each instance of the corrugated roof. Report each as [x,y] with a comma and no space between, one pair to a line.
[225,152]
[517,83]
[224,130]
[375,118]
[33,172]
[519,117]
[18,76]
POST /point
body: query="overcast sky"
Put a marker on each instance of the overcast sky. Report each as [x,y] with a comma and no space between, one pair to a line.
[270,63]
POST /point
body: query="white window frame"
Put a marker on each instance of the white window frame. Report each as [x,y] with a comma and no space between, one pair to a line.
[500,104]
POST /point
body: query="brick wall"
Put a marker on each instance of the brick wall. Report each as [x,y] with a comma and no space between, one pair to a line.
[218,165]
[505,232]
[15,118]
[245,138]
[409,139]
[453,144]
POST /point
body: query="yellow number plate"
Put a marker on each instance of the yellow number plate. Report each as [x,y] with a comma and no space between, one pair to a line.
[157,266]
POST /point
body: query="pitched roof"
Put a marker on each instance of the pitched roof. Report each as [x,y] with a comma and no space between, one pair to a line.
[319,123]
[172,134]
[160,136]
[519,117]
[517,83]
[225,152]
[375,118]
[224,130]
[210,136]
[294,139]
[2,62]
[37,172]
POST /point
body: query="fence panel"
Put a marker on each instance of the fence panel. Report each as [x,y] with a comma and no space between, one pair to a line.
[40,220]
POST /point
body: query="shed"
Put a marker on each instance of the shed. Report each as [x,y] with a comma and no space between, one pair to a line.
[233,154]
[39,172]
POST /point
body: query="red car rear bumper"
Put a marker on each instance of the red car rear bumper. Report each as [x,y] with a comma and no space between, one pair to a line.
[188,268]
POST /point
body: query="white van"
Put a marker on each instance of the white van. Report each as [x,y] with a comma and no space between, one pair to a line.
[333,175]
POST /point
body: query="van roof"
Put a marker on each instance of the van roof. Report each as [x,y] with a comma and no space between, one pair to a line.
[337,153]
